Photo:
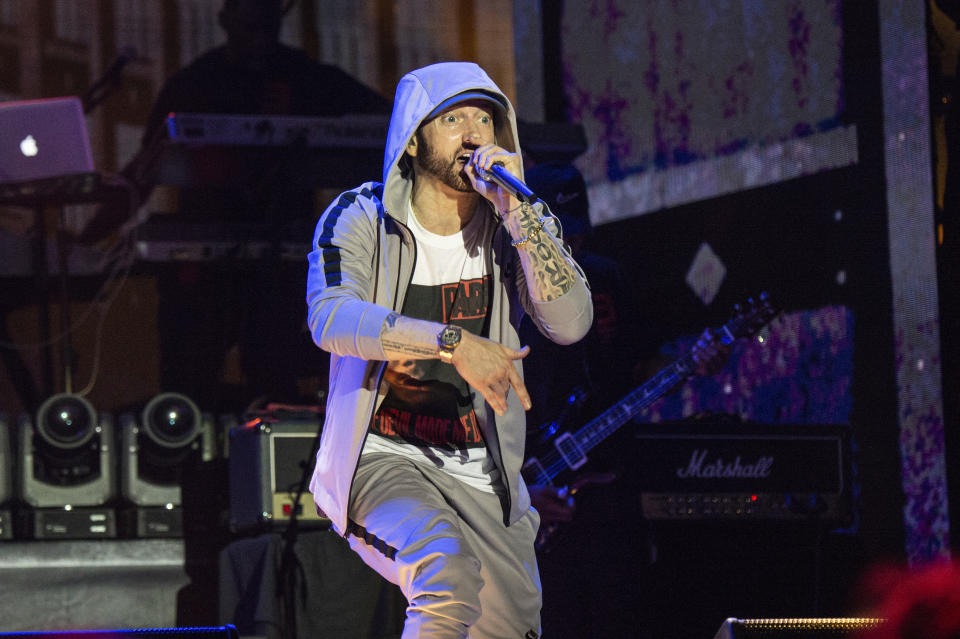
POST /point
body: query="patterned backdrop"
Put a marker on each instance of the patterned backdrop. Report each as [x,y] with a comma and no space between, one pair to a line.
[687,101]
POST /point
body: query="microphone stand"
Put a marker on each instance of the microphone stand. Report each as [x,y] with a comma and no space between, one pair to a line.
[63,253]
[290,568]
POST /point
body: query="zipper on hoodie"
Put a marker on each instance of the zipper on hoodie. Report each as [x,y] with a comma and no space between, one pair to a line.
[383,366]
[498,222]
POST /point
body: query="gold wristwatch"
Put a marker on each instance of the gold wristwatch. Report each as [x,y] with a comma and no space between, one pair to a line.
[447,342]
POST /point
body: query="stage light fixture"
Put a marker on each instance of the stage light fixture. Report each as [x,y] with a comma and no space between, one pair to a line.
[67,469]
[169,438]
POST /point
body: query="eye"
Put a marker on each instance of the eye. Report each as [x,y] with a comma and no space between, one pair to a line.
[486,120]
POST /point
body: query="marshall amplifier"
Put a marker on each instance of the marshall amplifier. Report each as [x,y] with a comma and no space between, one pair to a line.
[703,471]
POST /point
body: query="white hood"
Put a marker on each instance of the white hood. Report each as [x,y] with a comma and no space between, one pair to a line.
[418,93]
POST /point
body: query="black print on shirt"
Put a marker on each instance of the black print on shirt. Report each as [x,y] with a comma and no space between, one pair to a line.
[466,299]
[428,402]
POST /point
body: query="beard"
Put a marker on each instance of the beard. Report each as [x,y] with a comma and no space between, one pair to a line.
[449,172]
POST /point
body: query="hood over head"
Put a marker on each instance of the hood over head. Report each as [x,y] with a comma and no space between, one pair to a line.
[422,94]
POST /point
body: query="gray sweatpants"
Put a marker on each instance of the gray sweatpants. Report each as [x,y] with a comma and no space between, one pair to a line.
[463,572]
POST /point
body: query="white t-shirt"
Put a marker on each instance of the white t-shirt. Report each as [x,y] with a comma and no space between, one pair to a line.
[428,413]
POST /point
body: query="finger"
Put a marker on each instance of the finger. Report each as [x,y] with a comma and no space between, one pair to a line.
[521,389]
[500,388]
[481,156]
[489,154]
[497,400]
[523,352]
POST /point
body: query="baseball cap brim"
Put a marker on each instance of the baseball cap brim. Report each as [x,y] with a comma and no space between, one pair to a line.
[464,97]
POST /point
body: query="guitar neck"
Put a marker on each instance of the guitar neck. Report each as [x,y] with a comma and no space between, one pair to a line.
[641,398]
[570,449]
[553,462]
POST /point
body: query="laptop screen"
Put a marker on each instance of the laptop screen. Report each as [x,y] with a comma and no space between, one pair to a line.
[43,139]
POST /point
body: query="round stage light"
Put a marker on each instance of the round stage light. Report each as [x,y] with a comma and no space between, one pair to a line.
[66,421]
[171,420]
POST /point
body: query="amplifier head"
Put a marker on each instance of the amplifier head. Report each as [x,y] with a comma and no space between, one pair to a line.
[704,471]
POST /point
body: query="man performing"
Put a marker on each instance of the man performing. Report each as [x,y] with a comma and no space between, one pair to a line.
[416,287]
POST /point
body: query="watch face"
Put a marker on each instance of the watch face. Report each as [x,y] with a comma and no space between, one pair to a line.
[450,336]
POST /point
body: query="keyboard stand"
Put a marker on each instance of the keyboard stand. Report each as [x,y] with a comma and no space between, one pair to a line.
[42,195]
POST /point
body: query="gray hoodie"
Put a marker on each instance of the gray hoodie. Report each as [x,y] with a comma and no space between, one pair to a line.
[359,270]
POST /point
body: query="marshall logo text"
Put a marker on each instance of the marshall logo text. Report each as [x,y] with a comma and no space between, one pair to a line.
[700,468]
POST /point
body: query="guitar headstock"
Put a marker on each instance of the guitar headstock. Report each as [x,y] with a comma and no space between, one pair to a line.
[748,320]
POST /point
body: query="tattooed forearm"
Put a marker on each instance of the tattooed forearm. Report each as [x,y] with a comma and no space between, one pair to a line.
[405,337]
[552,274]
[549,274]
[407,349]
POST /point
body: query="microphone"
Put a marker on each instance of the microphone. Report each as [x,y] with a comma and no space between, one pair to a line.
[125,55]
[505,179]
[109,80]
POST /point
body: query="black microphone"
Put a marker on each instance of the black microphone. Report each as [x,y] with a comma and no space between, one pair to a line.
[125,55]
[109,80]
[502,177]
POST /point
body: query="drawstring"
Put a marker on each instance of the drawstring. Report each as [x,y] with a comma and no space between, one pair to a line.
[376,258]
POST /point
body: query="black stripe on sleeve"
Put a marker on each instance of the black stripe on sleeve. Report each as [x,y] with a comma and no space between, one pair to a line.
[332,260]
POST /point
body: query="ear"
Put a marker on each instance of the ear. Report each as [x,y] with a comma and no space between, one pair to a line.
[412,146]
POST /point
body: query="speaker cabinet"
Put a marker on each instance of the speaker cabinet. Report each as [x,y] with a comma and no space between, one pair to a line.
[67,470]
[810,628]
[169,440]
[268,462]
[219,632]
[6,479]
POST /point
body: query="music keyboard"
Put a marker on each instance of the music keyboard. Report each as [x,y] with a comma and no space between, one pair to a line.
[355,131]
[175,241]
[222,150]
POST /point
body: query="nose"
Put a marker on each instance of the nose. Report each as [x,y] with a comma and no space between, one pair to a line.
[472,133]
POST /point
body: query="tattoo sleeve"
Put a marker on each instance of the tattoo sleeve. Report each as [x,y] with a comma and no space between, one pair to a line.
[549,273]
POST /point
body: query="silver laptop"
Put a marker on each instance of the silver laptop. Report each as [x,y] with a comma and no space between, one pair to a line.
[43,139]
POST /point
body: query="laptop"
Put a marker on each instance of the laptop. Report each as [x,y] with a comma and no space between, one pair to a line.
[42,139]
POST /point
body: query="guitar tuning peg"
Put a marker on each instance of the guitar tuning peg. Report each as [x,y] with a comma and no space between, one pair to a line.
[737,309]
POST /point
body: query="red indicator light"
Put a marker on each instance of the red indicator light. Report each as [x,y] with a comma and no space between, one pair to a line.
[753,498]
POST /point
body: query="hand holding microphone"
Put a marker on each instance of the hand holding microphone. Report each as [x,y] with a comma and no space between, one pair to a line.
[499,175]
[496,172]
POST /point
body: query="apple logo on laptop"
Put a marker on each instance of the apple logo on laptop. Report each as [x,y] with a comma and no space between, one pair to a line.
[28,146]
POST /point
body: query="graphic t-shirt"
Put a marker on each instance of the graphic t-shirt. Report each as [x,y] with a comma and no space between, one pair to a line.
[428,412]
